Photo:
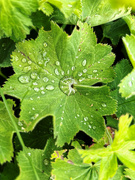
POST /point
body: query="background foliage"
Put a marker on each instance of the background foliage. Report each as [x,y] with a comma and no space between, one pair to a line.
[67,75]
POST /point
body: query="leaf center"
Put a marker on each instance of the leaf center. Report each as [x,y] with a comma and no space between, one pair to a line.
[67,85]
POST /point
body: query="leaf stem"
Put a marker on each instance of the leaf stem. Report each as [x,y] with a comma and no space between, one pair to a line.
[1,74]
[109,137]
[18,134]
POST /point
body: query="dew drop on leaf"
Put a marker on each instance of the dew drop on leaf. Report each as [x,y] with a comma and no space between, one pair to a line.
[33,75]
[42,92]
[27,68]
[45,44]
[29,62]
[57,63]
[45,79]
[24,79]
[85,70]
[46,162]
[36,89]
[130,84]
[49,87]
[29,154]
[57,72]
[69,5]
[84,62]
[85,118]
[19,123]
[89,76]
[103,105]
[95,71]
[23,60]
[94,127]
[79,74]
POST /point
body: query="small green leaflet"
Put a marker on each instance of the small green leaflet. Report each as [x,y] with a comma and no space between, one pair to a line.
[67,7]
[6,133]
[40,160]
[97,12]
[122,148]
[14,18]
[58,75]
[74,168]
[130,20]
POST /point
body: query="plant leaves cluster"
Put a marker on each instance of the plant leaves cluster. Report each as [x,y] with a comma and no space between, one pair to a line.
[67,73]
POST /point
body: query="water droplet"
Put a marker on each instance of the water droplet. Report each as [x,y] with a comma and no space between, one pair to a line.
[19,123]
[76,56]
[61,118]
[38,97]
[89,76]
[81,79]
[73,68]
[40,62]
[91,115]
[60,105]
[79,74]
[24,79]
[95,71]
[62,73]
[45,64]
[78,115]
[103,105]
[36,89]
[46,162]
[42,88]
[57,72]
[31,99]
[23,60]
[94,127]
[44,54]
[45,44]
[98,61]
[85,70]
[130,84]
[33,109]
[29,154]
[67,71]
[45,79]
[89,126]
[27,68]
[52,81]
[61,124]
[69,5]
[85,118]
[33,75]
[42,92]
[35,83]
[50,87]
[132,78]
[29,62]
[84,62]
[57,63]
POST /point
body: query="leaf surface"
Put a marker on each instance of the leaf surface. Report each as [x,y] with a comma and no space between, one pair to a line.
[58,75]
[97,12]
[74,168]
[14,18]
[122,147]
[6,133]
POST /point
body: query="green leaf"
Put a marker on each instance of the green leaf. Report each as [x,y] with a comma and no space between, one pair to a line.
[10,171]
[124,105]
[97,12]
[130,173]
[40,159]
[14,18]
[122,147]
[74,168]
[108,167]
[119,174]
[67,7]
[6,133]
[127,86]
[6,48]
[115,30]
[129,42]
[56,74]
[130,20]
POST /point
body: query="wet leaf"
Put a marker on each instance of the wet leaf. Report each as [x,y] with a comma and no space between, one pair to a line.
[63,76]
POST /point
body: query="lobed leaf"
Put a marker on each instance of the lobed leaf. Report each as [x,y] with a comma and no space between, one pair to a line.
[6,133]
[122,148]
[14,18]
[97,12]
[58,75]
